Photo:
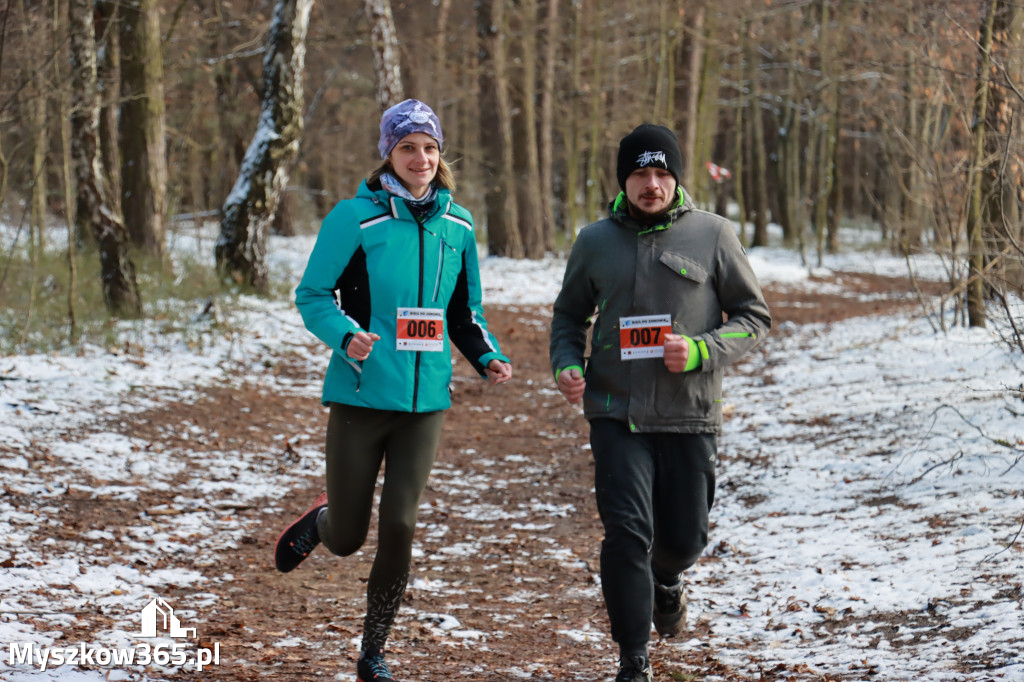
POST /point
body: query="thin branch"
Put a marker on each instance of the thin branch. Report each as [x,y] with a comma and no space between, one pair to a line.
[960,454]
[1012,542]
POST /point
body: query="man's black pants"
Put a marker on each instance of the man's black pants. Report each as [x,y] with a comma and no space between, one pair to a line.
[654,492]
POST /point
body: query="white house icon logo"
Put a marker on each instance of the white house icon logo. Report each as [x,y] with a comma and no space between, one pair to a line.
[160,611]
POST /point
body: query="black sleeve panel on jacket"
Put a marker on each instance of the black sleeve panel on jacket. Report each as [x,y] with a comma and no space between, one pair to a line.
[353,290]
[468,336]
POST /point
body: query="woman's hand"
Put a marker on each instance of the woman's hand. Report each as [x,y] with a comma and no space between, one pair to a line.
[498,372]
[360,346]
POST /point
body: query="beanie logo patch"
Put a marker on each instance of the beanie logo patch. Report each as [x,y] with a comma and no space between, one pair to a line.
[647,158]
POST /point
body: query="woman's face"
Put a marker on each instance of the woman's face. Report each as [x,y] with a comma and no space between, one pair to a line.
[414,160]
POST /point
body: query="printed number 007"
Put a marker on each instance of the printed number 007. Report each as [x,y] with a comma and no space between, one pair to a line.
[646,336]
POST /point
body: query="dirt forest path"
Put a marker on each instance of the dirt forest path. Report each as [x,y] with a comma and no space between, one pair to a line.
[504,576]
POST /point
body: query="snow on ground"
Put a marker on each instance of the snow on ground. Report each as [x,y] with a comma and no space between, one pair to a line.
[869,496]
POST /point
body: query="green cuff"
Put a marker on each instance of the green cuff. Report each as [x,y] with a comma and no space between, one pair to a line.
[695,355]
[559,372]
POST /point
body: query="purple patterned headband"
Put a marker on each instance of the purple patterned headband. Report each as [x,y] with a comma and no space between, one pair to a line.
[410,116]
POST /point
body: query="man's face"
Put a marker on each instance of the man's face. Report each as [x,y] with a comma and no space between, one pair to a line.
[650,191]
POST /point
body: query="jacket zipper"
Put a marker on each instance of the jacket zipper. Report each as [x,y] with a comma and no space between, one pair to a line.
[419,303]
[440,269]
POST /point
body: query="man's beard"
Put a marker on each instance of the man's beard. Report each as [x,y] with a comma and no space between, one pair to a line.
[647,217]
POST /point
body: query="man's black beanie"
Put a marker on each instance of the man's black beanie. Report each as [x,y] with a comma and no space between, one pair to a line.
[649,145]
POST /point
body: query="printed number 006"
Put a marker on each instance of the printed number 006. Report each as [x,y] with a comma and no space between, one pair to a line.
[422,329]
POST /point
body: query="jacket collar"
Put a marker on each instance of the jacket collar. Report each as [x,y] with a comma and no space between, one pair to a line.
[619,212]
[397,206]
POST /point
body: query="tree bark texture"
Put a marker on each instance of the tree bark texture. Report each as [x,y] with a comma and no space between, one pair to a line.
[689,93]
[976,314]
[758,162]
[108,77]
[143,132]
[503,236]
[1003,179]
[386,61]
[248,212]
[524,131]
[93,211]
[547,107]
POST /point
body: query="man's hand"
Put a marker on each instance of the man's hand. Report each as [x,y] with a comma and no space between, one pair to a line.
[572,384]
[361,344]
[498,372]
[677,352]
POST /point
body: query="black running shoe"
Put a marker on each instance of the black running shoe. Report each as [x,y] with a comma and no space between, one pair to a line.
[298,540]
[372,668]
[669,609]
[635,669]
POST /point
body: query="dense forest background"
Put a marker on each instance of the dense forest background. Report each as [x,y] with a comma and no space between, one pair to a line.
[901,115]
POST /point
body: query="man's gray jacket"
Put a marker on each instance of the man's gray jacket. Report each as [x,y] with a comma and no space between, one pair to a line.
[692,268]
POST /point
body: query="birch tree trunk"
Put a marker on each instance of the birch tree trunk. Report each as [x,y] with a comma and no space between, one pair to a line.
[143,132]
[108,75]
[93,211]
[386,61]
[248,212]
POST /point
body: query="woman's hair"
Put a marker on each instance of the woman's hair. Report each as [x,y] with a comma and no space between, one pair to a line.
[444,179]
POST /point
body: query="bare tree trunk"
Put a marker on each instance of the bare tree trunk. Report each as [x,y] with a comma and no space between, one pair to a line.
[524,133]
[1003,185]
[758,166]
[386,62]
[739,167]
[547,107]
[572,128]
[976,313]
[440,83]
[695,39]
[108,74]
[595,194]
[39,149]
[143,130]
[93,210]
[248,212]
[827,200]
[66,174]
[707,120]
[503,236]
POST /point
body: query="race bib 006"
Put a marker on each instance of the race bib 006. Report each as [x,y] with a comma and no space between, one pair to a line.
[420,329]
[643,336]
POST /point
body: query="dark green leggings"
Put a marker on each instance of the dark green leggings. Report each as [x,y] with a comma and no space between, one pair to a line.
[359,439]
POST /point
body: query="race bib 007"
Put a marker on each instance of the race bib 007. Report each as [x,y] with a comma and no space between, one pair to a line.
[420,329]
[643,336]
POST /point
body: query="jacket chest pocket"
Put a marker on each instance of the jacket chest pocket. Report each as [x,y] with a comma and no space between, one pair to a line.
[684,267]
[446,269]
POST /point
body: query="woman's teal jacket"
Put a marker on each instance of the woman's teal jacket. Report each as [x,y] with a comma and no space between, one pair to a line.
[374,256]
